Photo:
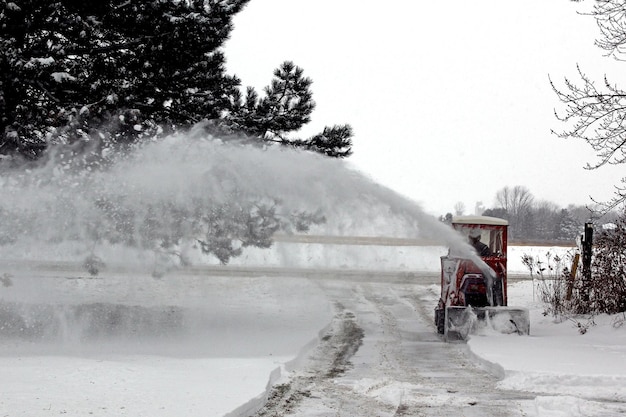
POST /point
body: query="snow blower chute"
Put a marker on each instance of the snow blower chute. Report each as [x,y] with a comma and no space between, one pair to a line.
[474,285]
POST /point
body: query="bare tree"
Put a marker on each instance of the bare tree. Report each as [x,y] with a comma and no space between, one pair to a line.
[517,202]
[596,112]
[611,18]
[514,199]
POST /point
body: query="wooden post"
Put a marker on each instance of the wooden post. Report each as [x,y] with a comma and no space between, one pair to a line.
[587,246]
[572,277]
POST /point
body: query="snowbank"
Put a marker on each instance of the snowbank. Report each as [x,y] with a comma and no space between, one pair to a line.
[576,374]
[251,328]
[281,254]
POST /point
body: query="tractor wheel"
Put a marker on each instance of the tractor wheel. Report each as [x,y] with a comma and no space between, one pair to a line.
[440,317]
[498,294]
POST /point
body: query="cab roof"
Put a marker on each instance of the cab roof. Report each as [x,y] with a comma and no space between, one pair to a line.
[495,221]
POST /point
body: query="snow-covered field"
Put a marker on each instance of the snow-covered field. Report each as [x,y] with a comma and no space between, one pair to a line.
[234,335]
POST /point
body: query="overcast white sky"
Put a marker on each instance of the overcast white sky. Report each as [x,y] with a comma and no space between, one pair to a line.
[449,100]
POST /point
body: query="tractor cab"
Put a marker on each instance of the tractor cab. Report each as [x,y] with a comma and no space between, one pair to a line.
[488,238]
[474,277]
[490,231]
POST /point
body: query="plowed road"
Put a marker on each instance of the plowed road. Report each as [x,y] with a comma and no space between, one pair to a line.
[382,357]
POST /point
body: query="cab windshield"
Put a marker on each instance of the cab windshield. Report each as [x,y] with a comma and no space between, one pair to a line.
[492,238]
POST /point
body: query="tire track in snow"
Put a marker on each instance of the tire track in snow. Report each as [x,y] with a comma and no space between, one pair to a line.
[401,368]
[327,361]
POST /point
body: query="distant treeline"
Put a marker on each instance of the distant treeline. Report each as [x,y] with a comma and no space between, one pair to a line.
[536,221]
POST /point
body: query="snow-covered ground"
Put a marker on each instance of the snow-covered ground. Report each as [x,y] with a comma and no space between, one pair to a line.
[231,334]
[239,334]
[576,374]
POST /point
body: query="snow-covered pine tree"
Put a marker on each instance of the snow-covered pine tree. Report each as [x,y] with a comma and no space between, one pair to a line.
[90,74]
[172,73]
[285,108]
[121,71]
[566,227]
